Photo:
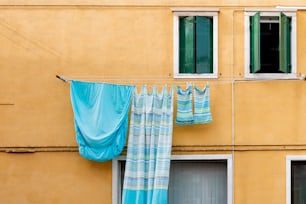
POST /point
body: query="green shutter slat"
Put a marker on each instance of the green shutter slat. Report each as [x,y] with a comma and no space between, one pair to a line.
[204,44]
[255,43]
[284,44]
[186,45]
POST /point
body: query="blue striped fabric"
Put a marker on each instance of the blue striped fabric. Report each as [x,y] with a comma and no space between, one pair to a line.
[184,114]
[202,112]
[149,148]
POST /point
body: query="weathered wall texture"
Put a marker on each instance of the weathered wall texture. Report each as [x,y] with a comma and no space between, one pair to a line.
[132,42]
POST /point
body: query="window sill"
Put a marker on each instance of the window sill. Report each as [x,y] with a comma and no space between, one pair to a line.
[271,76]
[195,76]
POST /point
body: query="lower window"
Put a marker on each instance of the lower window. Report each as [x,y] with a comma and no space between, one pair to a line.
[194,179]
[296,180]
[198,182]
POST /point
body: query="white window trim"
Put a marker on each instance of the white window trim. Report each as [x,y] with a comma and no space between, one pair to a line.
[289,160]
[116,188]
[248,75]
[192,12]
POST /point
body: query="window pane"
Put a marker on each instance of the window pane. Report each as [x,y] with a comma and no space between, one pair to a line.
[298,182]
[186,45]
[204,44]
[269,51]
[198,182]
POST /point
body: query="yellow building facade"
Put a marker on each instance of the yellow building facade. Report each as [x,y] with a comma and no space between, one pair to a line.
[258,122]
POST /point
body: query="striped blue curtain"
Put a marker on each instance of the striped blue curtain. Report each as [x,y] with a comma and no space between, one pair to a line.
[149,148]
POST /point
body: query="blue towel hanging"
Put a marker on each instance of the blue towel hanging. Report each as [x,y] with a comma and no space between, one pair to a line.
[184,114]
[100,118]
[202,112]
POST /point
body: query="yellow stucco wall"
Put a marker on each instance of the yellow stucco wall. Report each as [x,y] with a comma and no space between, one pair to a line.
[53,178]
[134,44]
[260,177]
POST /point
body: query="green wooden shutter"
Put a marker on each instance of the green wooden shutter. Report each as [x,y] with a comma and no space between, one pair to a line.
[204,44]
[284,44]
[255,43]
[186,45]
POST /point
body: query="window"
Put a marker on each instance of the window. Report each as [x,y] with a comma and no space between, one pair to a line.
[195,44]
[296,180]
[270,44]
[198,182]
[193,179]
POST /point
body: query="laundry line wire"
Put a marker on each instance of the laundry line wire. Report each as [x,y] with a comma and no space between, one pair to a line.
[167,81]
[139,81]
[130,79]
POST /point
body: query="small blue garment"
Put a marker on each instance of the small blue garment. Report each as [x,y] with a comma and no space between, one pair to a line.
[100,118]
[202,112]
[184,114]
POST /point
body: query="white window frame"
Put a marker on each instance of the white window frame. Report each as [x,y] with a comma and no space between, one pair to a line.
[116,187]
[195,12]
[289,159]
[248,74]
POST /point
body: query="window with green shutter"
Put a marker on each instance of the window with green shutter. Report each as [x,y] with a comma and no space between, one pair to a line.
[195,44]
[271,44]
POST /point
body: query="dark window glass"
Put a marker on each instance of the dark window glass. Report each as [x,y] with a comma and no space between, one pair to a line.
[298,182]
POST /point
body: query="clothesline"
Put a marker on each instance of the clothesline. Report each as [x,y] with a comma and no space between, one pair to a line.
[141,81]
[174,82]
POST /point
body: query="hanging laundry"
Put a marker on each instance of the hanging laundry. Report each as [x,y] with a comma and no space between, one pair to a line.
[202,112]
[100,118]
[184,114]
[149,148]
